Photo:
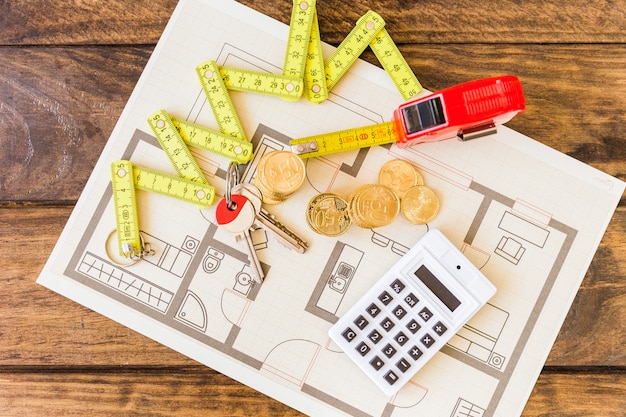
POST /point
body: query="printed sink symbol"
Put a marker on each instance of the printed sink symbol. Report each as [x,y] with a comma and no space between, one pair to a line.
[338,283]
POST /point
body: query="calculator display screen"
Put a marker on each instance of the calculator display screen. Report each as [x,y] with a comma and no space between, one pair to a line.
[436,287]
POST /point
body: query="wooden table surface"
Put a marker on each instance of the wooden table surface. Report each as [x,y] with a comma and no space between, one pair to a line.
[67,69]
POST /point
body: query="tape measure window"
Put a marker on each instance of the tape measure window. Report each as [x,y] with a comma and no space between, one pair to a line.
[424,115]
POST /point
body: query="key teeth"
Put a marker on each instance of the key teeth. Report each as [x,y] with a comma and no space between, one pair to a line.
[302,245]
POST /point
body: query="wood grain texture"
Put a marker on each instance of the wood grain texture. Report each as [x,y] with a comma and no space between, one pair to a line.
[67,69]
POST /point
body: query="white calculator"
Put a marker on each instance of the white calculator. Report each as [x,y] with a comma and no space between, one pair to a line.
[412,311]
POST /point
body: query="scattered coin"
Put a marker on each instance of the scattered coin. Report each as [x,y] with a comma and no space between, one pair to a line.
[419,205]
[327,214]
[399,175]
[373,205]
[279,175]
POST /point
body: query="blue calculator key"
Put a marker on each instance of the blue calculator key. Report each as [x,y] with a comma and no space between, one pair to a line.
[397,286]
[440,328]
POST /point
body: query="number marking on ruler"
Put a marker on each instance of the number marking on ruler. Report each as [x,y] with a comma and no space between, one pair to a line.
[147,179]
[396,66]
[352,46]
[175,147]
[315,89]
[210,140]
[298,42]
[219,99]
[283,86]
[125,202]
[344,140]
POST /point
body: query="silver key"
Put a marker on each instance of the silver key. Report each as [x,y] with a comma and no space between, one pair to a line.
[237,219]
[269,222]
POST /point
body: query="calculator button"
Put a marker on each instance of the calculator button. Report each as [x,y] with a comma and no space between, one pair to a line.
[440,328]
[349,334]
[411,300]
[377,363]
[401,338]
[361,322]
[399,312]
[391,377]
[385,297]
[362,348]
[374,336]
[373,310]
[403,365]
[397,286]
[425,314]
[415,353]
[387,324]
[427,340]
[389,350]
[413,326]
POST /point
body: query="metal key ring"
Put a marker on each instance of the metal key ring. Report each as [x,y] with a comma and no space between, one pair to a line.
[232,179]
[146,250]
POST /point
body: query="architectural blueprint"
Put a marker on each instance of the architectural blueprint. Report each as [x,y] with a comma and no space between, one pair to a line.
[529,217]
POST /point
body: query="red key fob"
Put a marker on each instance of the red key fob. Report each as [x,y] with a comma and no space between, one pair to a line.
[225,214]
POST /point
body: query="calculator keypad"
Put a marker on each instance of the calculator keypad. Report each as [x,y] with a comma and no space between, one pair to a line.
[393,333]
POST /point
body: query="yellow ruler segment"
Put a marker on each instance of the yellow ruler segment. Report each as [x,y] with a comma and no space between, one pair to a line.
[125,202]
[175,147]
[315,89]
[396,66]
[146,179]
[283,86]
[302,14]
[352,46]
[219,99]
[344,140]
[202,137]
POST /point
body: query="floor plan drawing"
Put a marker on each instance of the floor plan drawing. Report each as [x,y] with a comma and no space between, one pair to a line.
[531,237]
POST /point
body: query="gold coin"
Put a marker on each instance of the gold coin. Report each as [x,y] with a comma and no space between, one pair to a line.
[282,172]
[419,205]
[373,205]
[399,175]
[327,214]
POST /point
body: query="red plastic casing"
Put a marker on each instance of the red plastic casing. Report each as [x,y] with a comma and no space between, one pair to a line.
[466,107]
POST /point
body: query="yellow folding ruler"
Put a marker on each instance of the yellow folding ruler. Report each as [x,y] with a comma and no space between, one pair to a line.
[219,99]
[213,141]
[126,178]
[315,88]
[284,86]
[302,14]
[344,140]
[175,147]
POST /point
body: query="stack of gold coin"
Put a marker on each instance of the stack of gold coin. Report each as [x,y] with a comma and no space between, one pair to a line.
[327,214]
[279,174]
[373,205]
[399,175]
[419,205]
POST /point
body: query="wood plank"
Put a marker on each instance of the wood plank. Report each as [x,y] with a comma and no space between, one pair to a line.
[195,391]
[431,21]
[39,327]
[63,116]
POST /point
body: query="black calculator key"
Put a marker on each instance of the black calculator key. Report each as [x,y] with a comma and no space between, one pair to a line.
[362,348]
[425,314]
[374,336]
[389,350]
[440,328]
[415,353]
[361,322]
[427,340]
[377,363]
[401,338]
[397,286]
[391,377]
[411,300]
[385,297]
[399,312]
[413,326]
[373,310]
[387,324]
[349,334]
[403,365]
